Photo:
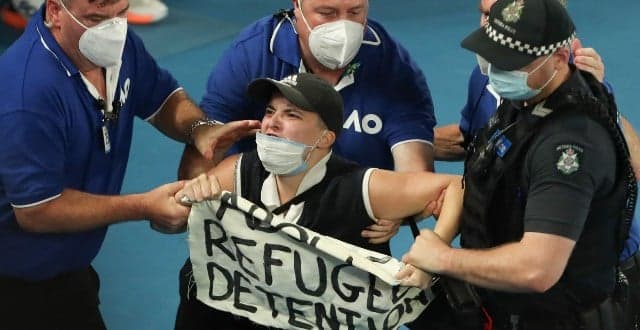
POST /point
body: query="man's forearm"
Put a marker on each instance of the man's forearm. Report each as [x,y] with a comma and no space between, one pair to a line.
[494,268]
[448,143]
[75,211]
[193,163]
[533,264]
[176,116]
[413,157]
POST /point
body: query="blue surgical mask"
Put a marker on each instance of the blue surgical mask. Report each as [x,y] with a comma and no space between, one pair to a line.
[512,85]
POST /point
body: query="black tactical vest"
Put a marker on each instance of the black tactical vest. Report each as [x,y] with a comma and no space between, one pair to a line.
[333,207]
[496,191]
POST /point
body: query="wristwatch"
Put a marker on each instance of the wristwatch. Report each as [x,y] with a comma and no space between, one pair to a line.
[198,123]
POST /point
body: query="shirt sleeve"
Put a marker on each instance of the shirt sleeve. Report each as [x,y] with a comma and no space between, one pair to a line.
[32,158]
[411,115]
[226,98]
[570,163]
[153,85]
[477,83]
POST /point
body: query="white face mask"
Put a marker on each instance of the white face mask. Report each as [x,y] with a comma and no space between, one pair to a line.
[103,44]
[283,157]
[334,44]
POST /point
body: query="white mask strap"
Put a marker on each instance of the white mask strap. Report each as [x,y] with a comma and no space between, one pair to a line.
[304,19]
[314,146]
[541,64]
[72,16]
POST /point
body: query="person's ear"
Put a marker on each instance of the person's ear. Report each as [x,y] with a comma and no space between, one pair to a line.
[327,140]
[562,56]
[53,10]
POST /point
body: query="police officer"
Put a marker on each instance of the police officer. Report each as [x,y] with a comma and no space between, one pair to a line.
[545,178]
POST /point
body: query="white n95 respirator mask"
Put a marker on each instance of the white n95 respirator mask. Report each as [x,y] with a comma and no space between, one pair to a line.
[102,44]
[334,44]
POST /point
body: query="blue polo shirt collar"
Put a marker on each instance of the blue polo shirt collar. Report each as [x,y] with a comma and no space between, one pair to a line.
[51,45]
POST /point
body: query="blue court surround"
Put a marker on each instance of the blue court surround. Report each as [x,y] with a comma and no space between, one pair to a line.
[139,267]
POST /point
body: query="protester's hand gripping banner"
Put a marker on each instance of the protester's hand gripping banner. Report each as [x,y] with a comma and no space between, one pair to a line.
[252,263]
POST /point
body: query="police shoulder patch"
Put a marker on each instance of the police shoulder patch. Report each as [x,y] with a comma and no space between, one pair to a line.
[569,159]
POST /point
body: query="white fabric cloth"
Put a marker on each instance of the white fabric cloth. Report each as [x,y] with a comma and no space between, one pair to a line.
[251,263]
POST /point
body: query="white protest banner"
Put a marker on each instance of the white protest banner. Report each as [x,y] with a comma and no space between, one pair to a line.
[252,263]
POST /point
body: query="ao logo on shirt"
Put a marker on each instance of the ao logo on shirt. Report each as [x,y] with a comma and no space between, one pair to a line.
[124,91]
[370,123]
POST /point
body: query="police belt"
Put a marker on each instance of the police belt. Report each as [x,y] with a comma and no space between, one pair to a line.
[608,315]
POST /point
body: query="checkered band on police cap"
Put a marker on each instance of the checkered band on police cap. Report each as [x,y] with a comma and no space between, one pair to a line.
[524,47]
[519,31]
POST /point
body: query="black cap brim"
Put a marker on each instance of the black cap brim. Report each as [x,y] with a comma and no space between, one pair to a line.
[262,90]
[502,57]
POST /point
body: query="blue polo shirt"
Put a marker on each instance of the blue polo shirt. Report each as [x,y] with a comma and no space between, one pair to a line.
[386,98]
[482,102]
[50,128]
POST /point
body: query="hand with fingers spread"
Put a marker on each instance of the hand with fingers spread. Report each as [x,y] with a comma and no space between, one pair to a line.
[211,140]
[587,59]
[381,231]
[164,212]
[409,275]
[204,187]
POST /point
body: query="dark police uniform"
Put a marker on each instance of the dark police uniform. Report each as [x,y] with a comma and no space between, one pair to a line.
[559,168]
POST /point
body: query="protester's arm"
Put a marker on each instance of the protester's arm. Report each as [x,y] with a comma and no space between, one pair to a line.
[446,229]
[631,136]
[75,211]
[448,143]
[396,195]
[209,185]
[408,157]
[448,221]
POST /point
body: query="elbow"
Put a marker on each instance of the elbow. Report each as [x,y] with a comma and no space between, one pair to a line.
[31,224]
[540,279]
[33,219]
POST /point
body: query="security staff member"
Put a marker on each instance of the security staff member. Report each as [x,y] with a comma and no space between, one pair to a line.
[546,176]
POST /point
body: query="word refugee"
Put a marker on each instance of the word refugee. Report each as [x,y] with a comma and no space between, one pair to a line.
[252,263]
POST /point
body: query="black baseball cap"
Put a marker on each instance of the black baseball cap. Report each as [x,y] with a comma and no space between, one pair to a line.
[519,31]
[308,92]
